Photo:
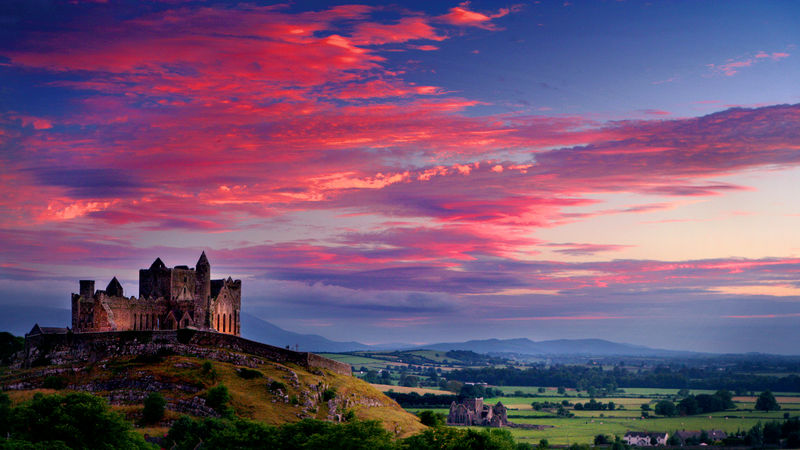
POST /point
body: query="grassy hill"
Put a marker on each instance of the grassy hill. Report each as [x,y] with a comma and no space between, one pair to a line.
[260,389]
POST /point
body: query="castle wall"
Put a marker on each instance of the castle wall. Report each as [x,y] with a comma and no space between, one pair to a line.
[65,348]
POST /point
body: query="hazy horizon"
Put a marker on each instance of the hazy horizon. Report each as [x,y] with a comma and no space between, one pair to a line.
[416,172]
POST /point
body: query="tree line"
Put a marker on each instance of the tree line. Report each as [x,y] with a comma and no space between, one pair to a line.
[582,378]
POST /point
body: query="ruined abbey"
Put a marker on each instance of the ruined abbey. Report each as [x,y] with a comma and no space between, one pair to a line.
[472,412]
[169,299]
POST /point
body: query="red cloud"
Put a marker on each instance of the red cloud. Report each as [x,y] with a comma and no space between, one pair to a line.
[461,15]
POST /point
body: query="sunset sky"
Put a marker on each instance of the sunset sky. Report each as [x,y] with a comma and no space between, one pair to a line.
[420,171]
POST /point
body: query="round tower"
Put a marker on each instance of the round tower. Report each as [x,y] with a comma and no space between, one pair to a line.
[202,291]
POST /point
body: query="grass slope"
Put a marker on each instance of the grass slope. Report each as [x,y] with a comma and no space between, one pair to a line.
[182,379]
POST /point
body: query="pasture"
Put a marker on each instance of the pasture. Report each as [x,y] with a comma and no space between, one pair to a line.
[627,416]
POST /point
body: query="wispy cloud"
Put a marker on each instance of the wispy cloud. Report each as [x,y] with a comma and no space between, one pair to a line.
[732,66]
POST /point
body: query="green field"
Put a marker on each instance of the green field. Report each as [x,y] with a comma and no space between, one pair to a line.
[584,425]
[583,429]
[359,361]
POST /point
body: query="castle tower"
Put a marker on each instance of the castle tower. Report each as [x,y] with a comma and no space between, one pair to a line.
[87,288]
[203,291]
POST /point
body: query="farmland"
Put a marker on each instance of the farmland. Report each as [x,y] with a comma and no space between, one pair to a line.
[584,425]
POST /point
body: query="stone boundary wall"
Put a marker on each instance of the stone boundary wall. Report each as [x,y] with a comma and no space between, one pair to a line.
[43,349]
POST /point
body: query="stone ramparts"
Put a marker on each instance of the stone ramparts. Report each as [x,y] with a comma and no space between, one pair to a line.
[42,349]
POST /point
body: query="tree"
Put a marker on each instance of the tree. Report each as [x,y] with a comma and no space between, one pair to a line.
[540,390]
[76,420]
[431,418]
[766,402]
[772,432]
[454,386]
[674,440]
[9,345]
[561,390]
[409,381]
[153,410]
[645,407]
[666,408]
[601,439]
[371,376]
[688,406]
[5,413]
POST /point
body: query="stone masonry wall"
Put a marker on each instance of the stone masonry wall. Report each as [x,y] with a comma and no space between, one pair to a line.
[64,348]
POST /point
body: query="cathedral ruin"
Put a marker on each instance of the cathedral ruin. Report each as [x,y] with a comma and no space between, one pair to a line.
[169,299]
[472,412]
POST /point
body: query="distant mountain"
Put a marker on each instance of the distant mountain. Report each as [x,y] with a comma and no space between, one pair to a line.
[259,330]
[19,320]
[596,347]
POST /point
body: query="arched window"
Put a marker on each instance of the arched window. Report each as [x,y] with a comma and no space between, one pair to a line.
[147,322]
[230,322]
[223,323]
[134,321]
[217,322]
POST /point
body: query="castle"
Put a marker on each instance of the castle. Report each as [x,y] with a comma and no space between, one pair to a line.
[472,412]
[169,299]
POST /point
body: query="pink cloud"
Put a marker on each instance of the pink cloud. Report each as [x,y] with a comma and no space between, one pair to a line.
[461,15]
[733,66]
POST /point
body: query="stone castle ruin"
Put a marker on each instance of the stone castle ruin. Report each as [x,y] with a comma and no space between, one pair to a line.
[169,299]
[472,412]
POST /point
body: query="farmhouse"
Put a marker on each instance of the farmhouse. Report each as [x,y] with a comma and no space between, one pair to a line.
[645,439]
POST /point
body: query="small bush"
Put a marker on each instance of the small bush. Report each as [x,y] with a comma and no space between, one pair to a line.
[277,385]
[249,374]
[54,382]
[218,398]
[329,394]
[293,400]
[207,369]
[154,406]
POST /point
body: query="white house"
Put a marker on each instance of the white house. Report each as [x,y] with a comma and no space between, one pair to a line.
[644,438]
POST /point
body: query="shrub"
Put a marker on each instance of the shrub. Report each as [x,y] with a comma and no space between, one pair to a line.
[154,406]
[329,394]
[218,398]
[249,374]
[208,371]
[276,386]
